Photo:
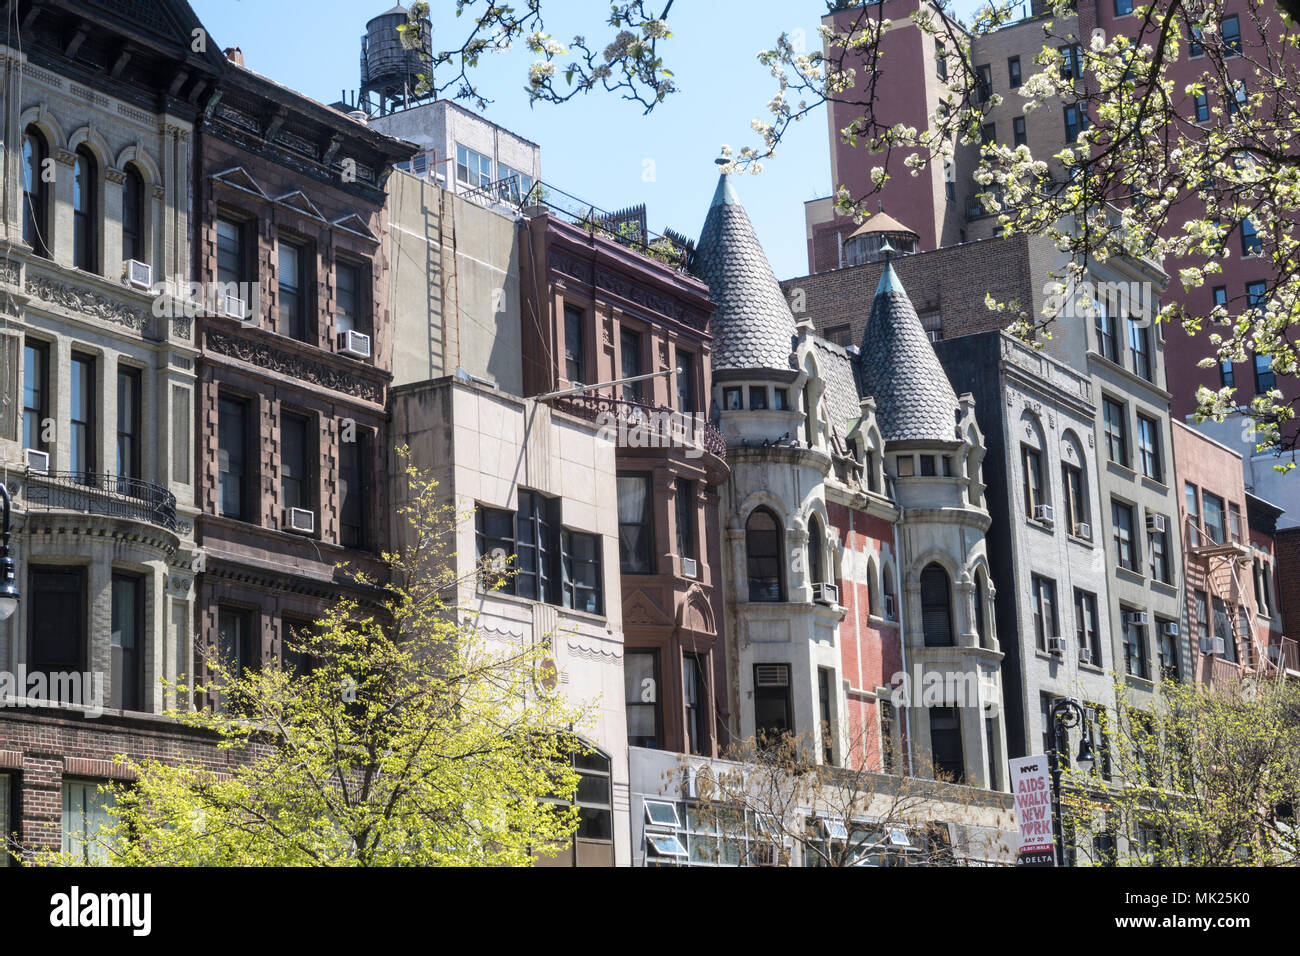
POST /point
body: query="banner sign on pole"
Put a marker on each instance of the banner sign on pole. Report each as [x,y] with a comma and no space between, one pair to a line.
[1032,787]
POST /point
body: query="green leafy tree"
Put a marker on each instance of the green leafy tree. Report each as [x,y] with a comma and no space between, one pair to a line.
[406,736]
[1208,778]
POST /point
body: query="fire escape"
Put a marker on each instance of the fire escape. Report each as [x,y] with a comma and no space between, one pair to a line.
[1230,646]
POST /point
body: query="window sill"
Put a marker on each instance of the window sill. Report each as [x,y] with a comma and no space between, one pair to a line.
[1122,470]
[1083,542]
[1154,484]
[1097,669]
[1167,587]
[529,602]
[1135,576]
[1048,527]
[1143,683]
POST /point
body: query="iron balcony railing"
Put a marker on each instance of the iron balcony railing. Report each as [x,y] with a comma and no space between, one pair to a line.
[93,493]
[664,427]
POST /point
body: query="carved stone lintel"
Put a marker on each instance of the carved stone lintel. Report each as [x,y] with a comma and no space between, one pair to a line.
[64,157]
[115,176]
[159,193]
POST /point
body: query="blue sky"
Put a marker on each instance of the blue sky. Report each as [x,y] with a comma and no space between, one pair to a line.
[599,148]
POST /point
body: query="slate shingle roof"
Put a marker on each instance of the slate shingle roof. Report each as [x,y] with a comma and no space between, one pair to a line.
[753,327]
[898,367]
[839,387]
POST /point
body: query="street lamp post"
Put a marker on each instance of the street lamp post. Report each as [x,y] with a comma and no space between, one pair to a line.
[1065,713]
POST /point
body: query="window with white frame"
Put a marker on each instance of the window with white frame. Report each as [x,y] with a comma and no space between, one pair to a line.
[85,819]
[472,169]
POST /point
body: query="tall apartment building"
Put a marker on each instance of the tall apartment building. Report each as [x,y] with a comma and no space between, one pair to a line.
[1037,415]
[96,433]
[293,370]
[940,204]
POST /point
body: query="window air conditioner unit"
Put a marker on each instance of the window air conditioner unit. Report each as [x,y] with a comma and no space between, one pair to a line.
[1056,645]
[890,612]
[137,274]
[1212,645]
[1170,628]
[233,307]
[1085,655]
[826,593]
[38,462]
[690,568]
[1156,524]
[354,343]
[1136,618]
[1083,530]
[1044,513]
[299,521]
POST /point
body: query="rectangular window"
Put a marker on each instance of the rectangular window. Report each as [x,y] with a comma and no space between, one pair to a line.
[1072,68]
[293,286]
[232,458]
[984,83]
[630,353]
[127,691]
[353,458]
[1122,518]
[537,548]
[825,677]
[1149,448]
[232,256]
[1202,107]
[83,404]
[1194,47]
[1231,29]
[1123,7]
[635,528]
[1086,628]
[685,501]
[641,683]
[1168,644]
[1213,520]
[1265,379]
[1161,565]
[1076,511]
[351,281]
[686,382]
[36,393]
[237,650]
[297,454]
[989,133]
[940,59]
[1223,629]
[128,422]
[1251,244]
[1013,71]
[1107,337]
[758,398]
[697,728]
[1076,121]
[1046,625]
[945,743]
[472,168]
[85,818]
[575,354]
[772,711]
[56,620]
[1201,601]
[1136,661]
[1045,702]
[1033,475]
[1018,131]
[1116,427]
[584,588]
[1139,348]
[733,399]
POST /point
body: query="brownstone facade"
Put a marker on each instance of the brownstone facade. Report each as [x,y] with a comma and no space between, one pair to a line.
[281,176]
[670,616]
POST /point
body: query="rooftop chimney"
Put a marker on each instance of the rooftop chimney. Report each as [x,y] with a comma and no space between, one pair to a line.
[235,55]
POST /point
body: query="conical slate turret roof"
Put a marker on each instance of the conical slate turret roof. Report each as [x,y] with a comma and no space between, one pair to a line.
[898,367]
[753,327]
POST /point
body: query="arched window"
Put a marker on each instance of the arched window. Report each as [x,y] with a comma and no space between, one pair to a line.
[35,191]
[85,251]
[133,215]
[874,606]
[816,551]
[764,556]
[936,607]
[890,596]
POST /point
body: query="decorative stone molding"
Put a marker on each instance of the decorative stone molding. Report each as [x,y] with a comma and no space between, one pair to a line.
[115,176]
[276,360]
[159,193]
[64,157]
[87,302]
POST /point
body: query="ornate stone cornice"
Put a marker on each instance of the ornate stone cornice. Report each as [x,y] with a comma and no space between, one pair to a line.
[87,302]
[115,176]
[267,356]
